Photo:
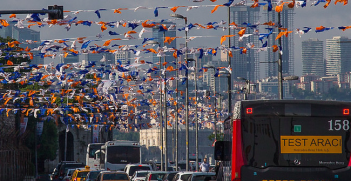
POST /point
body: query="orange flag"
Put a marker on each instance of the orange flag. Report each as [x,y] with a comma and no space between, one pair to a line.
[9,62]
[224,37]
[107,43]
[215,8]
[242,32]
[275,48]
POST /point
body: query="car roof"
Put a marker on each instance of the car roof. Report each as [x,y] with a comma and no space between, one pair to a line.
[137,165]
[204,173]
[141,171]
[114,172]
[185,172]
[158,172]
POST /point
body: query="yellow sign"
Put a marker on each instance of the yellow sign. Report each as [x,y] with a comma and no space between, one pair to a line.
[310,144]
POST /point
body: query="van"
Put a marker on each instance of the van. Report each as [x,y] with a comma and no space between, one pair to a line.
[131,168]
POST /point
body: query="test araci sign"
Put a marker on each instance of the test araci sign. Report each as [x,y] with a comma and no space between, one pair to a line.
[311,144]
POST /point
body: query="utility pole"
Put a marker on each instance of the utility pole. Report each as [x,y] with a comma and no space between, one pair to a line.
[230,65]
[280,66]
[165,109]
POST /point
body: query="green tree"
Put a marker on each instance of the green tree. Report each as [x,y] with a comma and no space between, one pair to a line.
[220,136]
[47,143]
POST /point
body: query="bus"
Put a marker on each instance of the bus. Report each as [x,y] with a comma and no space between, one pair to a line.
[93,155]
[277,140]
[115,155]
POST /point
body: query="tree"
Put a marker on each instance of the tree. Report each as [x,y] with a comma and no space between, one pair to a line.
[220,136]
[47,143]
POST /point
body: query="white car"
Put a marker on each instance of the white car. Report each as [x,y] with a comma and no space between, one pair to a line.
[139,175]
[131,168]
[181,176]
[197,176]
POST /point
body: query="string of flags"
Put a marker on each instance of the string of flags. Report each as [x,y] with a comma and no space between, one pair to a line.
[98,99]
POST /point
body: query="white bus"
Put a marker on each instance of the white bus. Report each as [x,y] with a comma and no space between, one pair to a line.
[93,155]
[115,155]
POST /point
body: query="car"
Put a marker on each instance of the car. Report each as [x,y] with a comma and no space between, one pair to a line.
[113,176]
[68,165]
[202,176]
[55,173]
[92,175]
[68,174]
[139,175]
[80,173]
[152,164]
[155,175]
[180,176]
[131,168]
[169,176]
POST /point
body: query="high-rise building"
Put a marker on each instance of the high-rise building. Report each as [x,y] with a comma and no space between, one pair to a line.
[312,57]
[286,21]
[245,65]
[21,35]
[338,55]
[122,56]
[160,35]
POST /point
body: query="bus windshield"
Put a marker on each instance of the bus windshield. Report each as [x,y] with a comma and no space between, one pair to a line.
[123,154]
[93,149]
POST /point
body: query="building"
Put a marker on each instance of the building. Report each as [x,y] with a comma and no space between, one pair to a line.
[122,57]
[287,21]
[338,55]
[216,84]
[21,35]
[150,139]
[312,57]
[245,65]
[159,36]
[270,85]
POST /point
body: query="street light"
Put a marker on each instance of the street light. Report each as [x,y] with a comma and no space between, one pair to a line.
[153,42]
[228,75]
[247,91]
[215,125]
[186,97]
[196,118]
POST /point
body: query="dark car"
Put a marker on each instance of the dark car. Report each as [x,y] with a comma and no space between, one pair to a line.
[68,165]
[155,176]
[169,176]
[55,173]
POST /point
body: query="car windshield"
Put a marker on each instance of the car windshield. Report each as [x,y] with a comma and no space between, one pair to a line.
[184,177]
[157,176]
[141,174]
[70,172]
[137,168]
[93,175]
[115,176]
[202,178]
[170,176]
[82,174]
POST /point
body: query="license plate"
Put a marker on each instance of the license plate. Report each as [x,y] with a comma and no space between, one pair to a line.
[310,144]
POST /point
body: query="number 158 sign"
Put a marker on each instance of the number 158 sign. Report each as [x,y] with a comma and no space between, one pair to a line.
[336,125]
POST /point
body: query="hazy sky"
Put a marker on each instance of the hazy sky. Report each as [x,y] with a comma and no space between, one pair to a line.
[310,16]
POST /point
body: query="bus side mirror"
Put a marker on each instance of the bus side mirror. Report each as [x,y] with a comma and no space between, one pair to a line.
[222,150]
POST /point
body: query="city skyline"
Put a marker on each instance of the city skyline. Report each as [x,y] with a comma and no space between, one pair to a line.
[333,16]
